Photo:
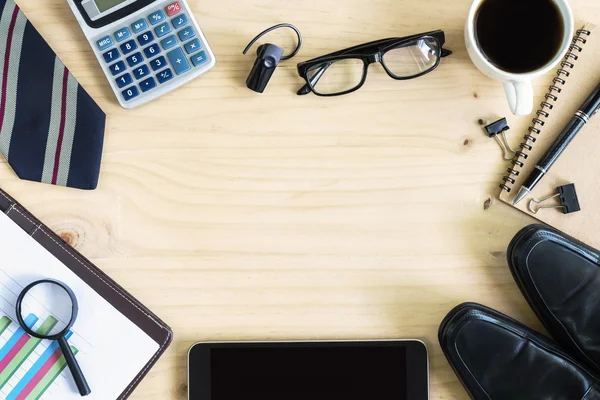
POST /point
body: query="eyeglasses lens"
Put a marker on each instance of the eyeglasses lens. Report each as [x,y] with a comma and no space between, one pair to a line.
[412,58]
[334,77]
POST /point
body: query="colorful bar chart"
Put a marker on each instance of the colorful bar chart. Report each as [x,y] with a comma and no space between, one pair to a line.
[41,372]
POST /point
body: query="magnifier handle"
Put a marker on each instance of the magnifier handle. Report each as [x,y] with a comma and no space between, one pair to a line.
[82,385]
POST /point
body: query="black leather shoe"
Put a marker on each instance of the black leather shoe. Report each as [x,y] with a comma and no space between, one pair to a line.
[498,358]
[560,278]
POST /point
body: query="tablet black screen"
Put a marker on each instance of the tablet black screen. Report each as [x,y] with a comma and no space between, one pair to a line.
[308,373]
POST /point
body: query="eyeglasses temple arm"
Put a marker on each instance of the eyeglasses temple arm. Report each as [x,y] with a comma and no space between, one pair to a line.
[446,53]
[303,90]
[306,88]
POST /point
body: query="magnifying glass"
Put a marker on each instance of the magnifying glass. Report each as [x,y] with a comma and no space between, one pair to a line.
[58,300]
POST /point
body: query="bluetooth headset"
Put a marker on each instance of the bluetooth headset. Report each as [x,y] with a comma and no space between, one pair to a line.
[267,59]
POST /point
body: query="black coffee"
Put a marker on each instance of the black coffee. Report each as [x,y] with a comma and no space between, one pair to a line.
[519,35]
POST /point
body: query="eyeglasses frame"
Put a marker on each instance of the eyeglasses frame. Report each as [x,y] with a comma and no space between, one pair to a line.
[369,53]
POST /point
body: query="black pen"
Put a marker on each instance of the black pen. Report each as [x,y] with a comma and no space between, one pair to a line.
[581,118]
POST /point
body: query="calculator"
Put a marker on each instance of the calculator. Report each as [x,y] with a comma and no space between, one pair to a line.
[146,48]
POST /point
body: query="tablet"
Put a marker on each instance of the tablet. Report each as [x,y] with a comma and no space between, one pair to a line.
[374,370]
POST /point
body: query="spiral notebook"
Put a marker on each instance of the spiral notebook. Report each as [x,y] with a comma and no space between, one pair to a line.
[577,77]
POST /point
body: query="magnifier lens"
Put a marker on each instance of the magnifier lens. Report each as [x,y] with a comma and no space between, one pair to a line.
[52,306]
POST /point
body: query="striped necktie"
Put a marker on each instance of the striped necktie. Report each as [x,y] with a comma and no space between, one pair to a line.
[51,130]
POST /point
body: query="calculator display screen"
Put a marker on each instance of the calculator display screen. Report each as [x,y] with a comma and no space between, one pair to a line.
[104,5]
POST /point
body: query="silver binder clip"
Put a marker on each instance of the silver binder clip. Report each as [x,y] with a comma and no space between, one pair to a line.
[497,130]
[568,200]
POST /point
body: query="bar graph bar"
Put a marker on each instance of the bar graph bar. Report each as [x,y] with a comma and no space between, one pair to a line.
[44,377]
[39,374]
[50,377]
[15,343]
[4,323]
[30,345]
[44,360]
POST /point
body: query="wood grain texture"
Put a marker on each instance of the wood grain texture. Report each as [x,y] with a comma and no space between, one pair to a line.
[240,216]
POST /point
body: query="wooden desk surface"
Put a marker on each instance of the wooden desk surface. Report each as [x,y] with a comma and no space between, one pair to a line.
[237,216]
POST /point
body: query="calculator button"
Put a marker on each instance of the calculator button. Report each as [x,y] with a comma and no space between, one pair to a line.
[122,34]
[179,21]
[158,63]
[165,76]
[130,93]
[152,51]
[128,47]
[145,38]
[104,43]
[199,59]
[141,71]
[169,42]
[111,55]
[156,17]
[173,8]
[186,33]
[117,68]
[135,59]
[124,80]
[148,84]
[139,26]
[162,29]
[193,46]
[179,61]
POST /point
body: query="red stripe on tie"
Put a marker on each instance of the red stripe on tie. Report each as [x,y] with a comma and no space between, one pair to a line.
[9,39]
[61,132]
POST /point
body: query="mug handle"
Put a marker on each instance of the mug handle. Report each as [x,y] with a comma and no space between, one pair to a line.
[520,97]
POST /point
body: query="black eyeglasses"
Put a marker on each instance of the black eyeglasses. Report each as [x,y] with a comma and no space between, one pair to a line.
[346,70]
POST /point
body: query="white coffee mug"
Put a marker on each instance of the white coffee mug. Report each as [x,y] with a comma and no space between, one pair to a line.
[519,90]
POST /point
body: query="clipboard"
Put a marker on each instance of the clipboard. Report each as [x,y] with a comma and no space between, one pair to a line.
[125,304]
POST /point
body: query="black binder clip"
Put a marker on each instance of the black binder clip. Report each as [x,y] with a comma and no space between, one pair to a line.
[568,200]
[267,58]
[499,128]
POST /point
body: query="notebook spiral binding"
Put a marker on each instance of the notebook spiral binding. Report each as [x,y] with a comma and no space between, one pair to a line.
[547,105]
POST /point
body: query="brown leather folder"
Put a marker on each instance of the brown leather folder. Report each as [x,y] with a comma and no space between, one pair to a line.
[118,297]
